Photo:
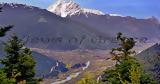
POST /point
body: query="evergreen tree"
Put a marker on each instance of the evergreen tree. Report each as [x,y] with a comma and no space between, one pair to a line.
[19,63]
[4,79]
[3,76]
[127,69]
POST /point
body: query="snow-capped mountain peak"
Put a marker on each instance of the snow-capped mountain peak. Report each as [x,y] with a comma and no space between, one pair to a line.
[66,8]
[15,5]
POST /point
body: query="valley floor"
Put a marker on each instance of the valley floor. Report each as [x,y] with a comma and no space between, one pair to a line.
[99,60]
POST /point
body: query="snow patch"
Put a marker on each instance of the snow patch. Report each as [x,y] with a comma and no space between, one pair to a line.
[66,8]
[42,20]
[116,15]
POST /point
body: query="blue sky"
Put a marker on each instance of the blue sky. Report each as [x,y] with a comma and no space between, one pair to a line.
[136,8]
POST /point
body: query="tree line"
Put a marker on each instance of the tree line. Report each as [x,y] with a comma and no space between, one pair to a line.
[127,70]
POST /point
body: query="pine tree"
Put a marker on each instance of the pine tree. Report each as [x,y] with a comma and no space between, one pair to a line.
[19,63]
[4,79]
[127,69]
[3,76]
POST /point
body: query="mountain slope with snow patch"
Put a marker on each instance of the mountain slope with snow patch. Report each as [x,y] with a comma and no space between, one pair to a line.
[68,8]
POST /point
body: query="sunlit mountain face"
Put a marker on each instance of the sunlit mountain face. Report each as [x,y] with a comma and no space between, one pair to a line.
[69,40]
[69,8]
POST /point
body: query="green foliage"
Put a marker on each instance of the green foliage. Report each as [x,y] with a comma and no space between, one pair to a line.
[19,63]
[4,79]
[127,69]
[88,79]
[124,52]
[135,74]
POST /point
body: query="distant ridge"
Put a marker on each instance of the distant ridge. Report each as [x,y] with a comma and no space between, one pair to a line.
[40,25]
[151,60]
